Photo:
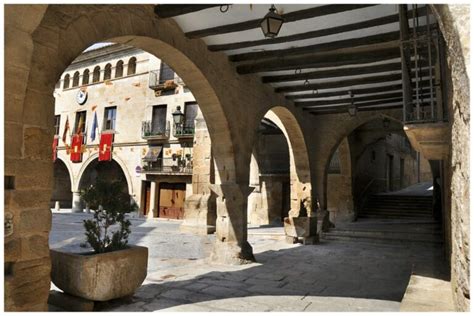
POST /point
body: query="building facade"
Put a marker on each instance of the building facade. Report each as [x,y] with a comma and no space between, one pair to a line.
[120,101]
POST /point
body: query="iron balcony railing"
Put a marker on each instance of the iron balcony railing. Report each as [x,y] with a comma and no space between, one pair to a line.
[157,83]
[176,165]
[152,132]
[183,130]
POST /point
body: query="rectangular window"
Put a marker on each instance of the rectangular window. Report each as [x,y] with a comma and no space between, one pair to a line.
[166,73]
[190,113]
[158,121]
[110,115]
[80,124]
[57,123]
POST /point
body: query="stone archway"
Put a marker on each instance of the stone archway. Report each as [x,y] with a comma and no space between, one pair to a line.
[35,34]
[63,183]
[94,159]
[300,172]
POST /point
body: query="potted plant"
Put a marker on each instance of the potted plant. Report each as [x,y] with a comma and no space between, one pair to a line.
[113,269]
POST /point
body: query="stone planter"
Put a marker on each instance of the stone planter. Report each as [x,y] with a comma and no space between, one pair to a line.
[100,277]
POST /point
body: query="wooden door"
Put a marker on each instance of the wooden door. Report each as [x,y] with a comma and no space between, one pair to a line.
[172,196]
[147,201]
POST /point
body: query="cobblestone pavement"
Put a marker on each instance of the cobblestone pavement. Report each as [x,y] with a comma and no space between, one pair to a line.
[330,276]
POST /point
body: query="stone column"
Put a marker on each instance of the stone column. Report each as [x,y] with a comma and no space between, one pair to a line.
[200,206]
[255,198]
[153,202]
[231,246]
[77,203]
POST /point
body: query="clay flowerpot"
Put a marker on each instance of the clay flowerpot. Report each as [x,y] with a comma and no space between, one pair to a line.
[100,277]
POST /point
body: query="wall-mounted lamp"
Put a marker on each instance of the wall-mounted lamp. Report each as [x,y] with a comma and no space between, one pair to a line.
[386,123]
[271,23]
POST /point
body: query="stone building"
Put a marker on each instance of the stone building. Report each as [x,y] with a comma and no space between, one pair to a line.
[131,94]
[331,69]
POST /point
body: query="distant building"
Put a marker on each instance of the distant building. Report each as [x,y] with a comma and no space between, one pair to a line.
[126,97]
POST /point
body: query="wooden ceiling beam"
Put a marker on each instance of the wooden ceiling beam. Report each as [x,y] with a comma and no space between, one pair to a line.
[387,88]
[324,47]
[288,17]
[309,104]
[389,97]
[171,10]
[334,73]
[343,110]
[345,83]
[340,83]
[313,34]
[356,56]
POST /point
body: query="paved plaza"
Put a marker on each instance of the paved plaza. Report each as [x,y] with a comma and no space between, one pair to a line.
[330,276]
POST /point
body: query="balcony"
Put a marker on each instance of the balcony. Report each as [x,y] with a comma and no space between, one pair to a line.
[150,132]
[169,166]
[184,131]
[156,84]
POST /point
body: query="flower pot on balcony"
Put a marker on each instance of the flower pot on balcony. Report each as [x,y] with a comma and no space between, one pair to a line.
[100,276]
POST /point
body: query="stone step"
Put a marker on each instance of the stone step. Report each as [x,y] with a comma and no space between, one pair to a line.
[397,204]
[391,210]
[382,239]
[392,216]
[423,235]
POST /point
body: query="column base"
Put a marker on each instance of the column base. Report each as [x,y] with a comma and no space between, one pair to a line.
[231,253]
[197,229]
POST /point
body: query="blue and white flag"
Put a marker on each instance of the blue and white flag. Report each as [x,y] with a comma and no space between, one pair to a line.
[95,125]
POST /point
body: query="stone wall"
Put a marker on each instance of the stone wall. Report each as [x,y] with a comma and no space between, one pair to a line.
[28,162]
[454,22]
[340,200]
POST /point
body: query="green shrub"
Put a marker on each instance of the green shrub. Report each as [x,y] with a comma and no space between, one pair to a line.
[111,202]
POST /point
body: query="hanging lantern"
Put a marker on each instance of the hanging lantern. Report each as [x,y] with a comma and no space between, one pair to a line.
[352,109]
[271,23]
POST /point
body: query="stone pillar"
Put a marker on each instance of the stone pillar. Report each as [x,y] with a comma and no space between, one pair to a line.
[200,206]
[255,198]
[231,246]
[153,200]
[76,202]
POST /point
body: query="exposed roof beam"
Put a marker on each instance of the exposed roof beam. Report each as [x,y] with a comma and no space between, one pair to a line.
[357,100]
[172,10]
[324,47]
[313,34]
[360,55]
[332,73]
[288,17]
[387,88]
[310,104]
[362,109]
[344,83]
[340,83]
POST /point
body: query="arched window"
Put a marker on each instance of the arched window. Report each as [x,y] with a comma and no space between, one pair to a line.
[108,72]
[132,66]
[119,69]
[85,77]
[96,74]
[75,79]
[66,81]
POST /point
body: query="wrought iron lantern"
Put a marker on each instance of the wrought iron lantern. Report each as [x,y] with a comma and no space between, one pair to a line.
[352,108]
[178,116]
[271,23]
